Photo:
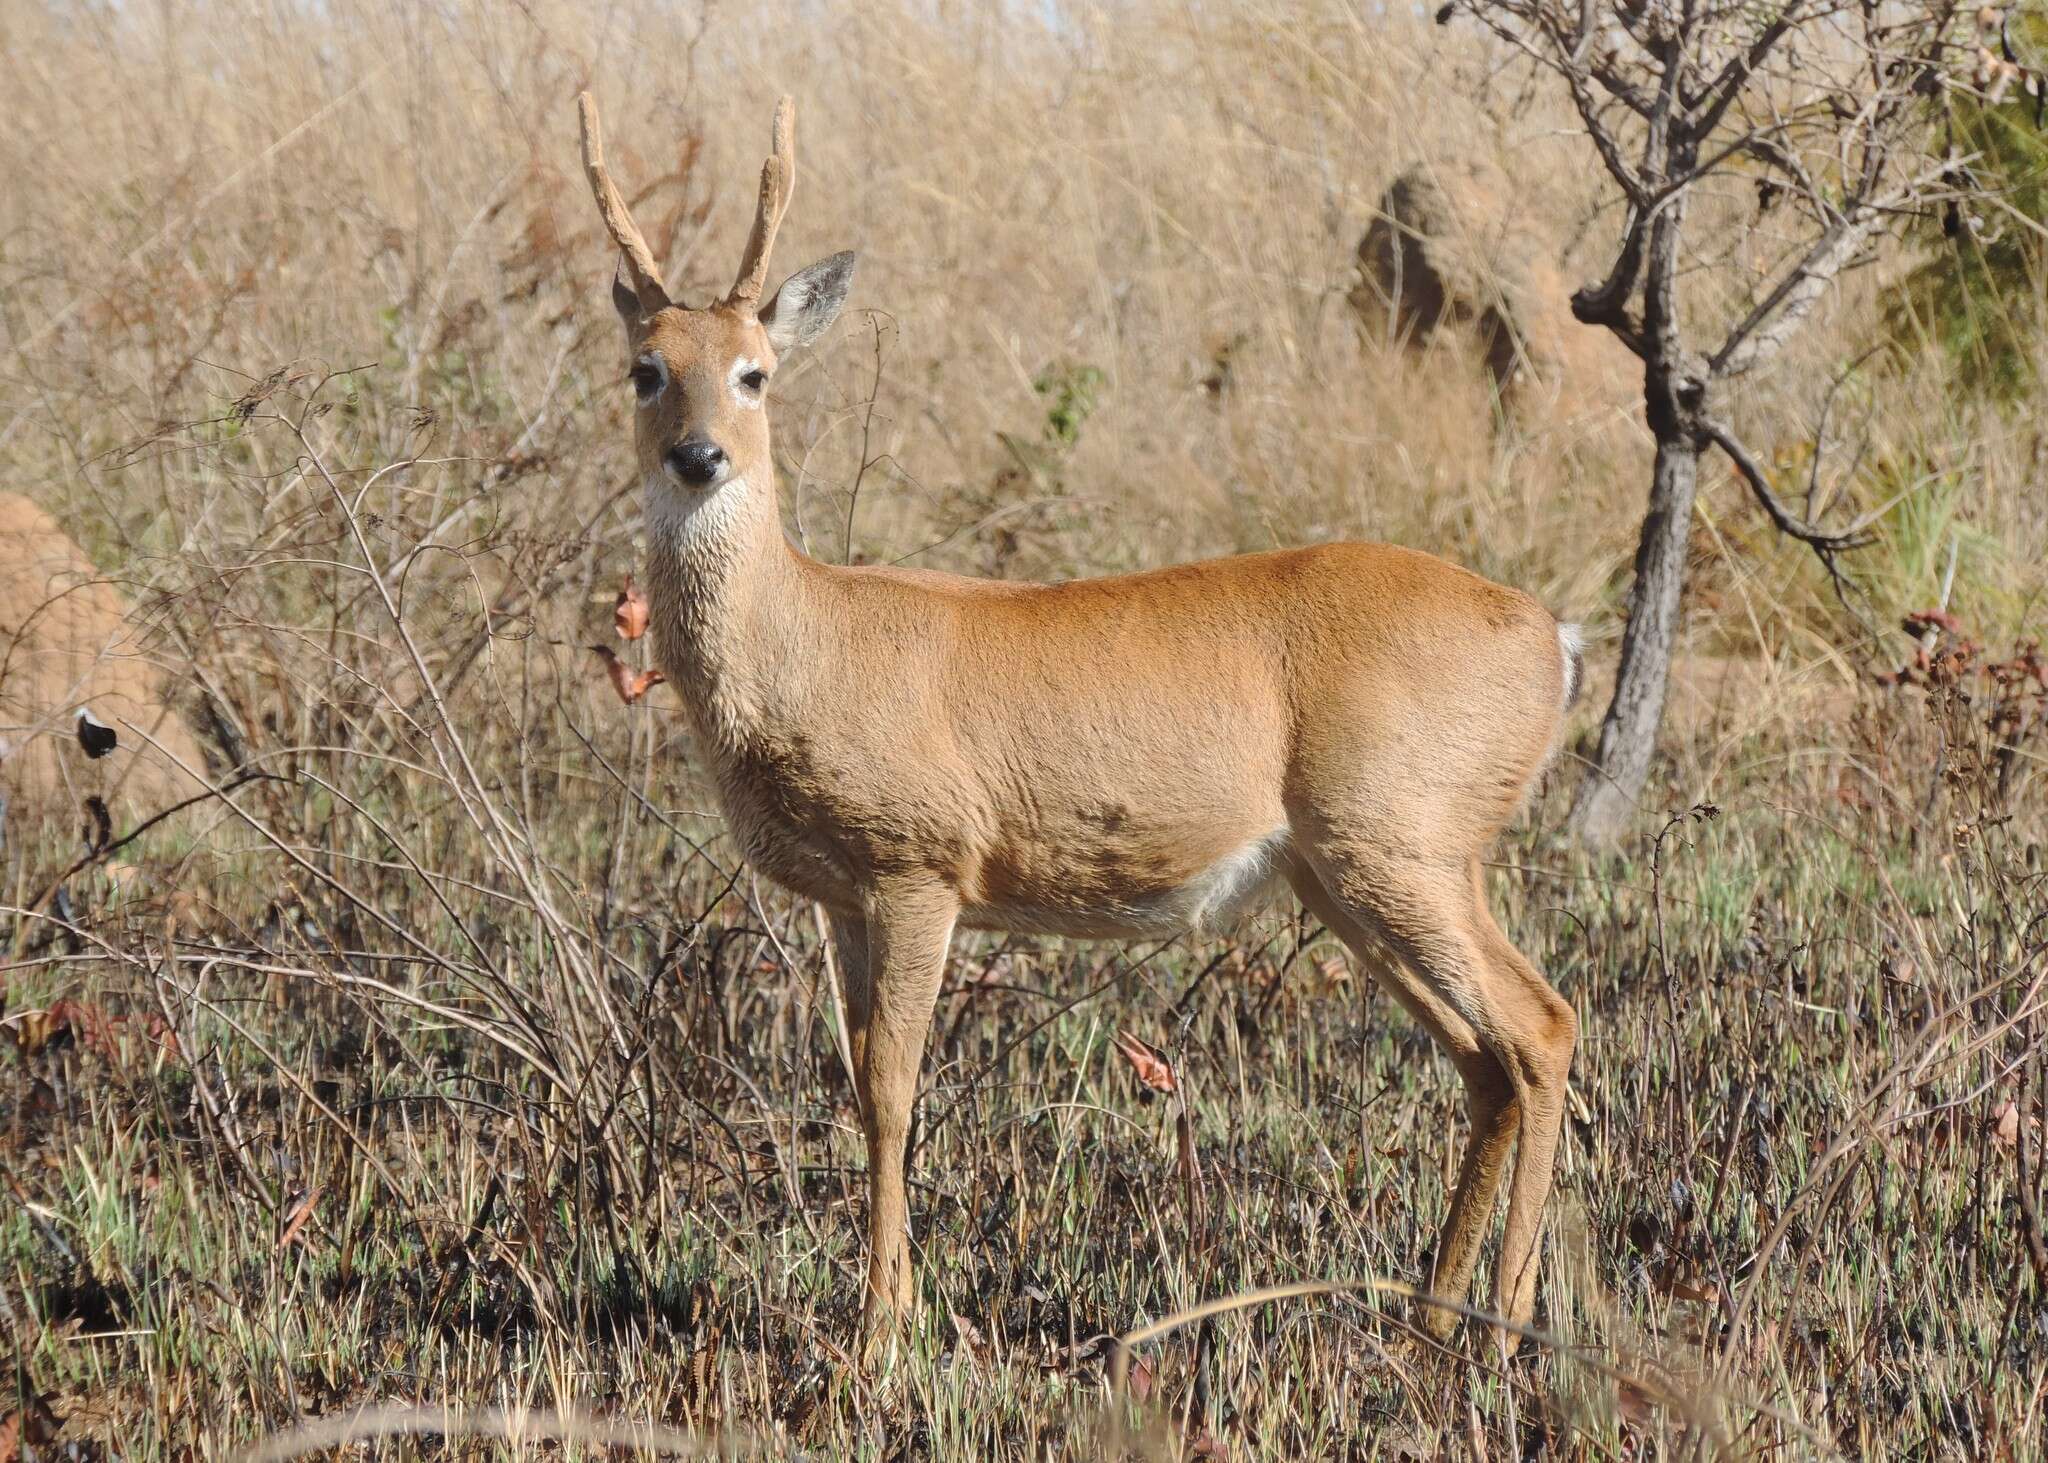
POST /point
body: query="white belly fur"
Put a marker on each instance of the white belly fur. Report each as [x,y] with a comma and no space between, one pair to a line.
[1213,900]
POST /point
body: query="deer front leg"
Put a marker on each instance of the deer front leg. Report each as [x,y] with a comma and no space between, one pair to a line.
[909,928]
[850,954]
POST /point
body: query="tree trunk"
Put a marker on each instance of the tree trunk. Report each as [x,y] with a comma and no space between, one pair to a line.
[1607,798]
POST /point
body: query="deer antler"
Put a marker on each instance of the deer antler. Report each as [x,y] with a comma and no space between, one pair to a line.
[778,181]
[618,219]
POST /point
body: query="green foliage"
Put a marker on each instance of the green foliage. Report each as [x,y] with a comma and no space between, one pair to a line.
[1023,498]
[1070,392]
[1980,293]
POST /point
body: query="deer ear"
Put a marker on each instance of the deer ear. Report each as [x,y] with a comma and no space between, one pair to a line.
[624,299]
[807,303]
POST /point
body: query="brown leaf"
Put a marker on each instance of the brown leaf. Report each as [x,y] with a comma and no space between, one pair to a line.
[2005,1124]
[1139,1380]
[971,1339]
[34,1030]
[91,1027]
[1682,1287]
[630,613]
[33,1426]
[630,684]
[1637,1406]
[295,1219]
[1152,1068]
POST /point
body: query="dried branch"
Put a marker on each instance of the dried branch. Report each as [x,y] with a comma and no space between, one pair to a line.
[1765,330]
[1819,540]
[1707,109]
[1607,302]
[1562,53]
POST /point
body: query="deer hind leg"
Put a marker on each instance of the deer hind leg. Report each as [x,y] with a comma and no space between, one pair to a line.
[908,931]
[1509,1034]
[1489,1099]
[1536,1032]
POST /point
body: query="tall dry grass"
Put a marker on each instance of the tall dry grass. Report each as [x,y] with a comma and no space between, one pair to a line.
[199,198]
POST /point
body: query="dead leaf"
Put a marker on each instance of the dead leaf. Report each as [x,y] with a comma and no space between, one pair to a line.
[1681,1287]
[33,1426]
[94,735]
[100,831]
[630,684]
[295,1219]
[630,613]
[34,1030]
[2005,1125]
[1139,1380]
[971,1339]
[90,1027]
[1152,1068]
[1637,1406]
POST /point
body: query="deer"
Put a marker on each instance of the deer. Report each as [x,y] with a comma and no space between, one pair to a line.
[1118,758]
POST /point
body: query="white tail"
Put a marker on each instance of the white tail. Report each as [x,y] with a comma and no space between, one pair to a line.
[1571,641]
[1112,757]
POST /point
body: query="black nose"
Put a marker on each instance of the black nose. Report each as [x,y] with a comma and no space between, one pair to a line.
[696,459]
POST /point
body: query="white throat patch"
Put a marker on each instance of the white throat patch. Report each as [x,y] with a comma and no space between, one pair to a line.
[698,524]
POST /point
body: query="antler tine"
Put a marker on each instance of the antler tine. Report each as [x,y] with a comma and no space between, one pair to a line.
[778,181]
[617,218]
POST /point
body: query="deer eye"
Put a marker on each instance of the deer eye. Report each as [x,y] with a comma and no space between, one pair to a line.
[755,380]
[648,379]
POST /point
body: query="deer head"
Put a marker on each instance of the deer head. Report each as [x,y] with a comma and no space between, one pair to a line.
[700,376]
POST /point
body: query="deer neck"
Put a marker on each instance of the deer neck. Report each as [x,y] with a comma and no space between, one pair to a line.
[729,594]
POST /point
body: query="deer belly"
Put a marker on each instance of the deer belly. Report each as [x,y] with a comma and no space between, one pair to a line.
[1107,899]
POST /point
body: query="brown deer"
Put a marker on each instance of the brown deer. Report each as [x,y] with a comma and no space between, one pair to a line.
[1108,758]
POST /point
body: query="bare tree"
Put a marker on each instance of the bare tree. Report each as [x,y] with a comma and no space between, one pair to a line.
[1830,112]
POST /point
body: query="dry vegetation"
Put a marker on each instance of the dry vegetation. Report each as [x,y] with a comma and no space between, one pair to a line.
[449,1055]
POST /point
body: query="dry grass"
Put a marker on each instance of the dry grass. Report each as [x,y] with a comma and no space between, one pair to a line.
[459,986]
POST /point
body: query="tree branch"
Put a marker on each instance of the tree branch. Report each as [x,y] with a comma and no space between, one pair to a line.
[1606,303]
[1819,540]
[1629,96]
[1569,62]
[1707,109]
[1764,331]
